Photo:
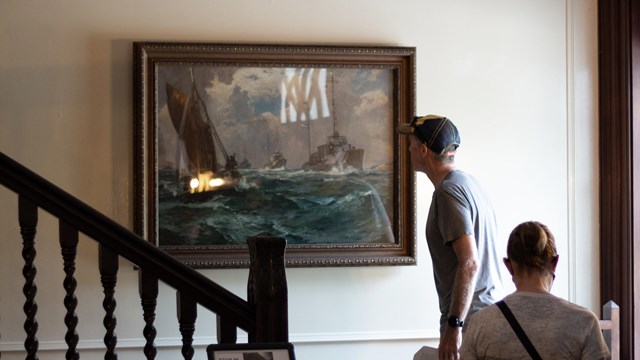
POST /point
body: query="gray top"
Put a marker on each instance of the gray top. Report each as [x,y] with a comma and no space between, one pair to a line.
[460,206]
[557,329]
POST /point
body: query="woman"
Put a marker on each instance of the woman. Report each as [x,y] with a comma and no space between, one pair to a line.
[555,328]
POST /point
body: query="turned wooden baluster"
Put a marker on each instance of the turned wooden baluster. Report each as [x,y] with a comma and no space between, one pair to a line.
[267,288]
[148,288]
[69,247]
[109,276]
[187,313]
[28,219]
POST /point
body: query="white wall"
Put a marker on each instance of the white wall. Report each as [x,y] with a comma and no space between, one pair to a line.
[517,77]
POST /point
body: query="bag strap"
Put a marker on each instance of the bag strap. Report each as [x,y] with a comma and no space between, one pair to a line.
[518,330]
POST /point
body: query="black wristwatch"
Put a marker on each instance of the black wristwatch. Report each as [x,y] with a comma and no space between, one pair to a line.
[455,321]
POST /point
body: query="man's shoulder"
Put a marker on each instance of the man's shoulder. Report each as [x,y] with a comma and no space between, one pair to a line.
[458,177]
[460,182]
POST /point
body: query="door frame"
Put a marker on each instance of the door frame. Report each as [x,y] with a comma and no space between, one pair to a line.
[618,85]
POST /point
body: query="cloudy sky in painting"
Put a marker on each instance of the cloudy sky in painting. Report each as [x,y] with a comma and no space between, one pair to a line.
[245,107]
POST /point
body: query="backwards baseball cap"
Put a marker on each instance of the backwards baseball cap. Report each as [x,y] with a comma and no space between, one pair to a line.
[437,132]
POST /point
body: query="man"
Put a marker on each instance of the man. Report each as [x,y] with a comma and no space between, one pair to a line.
[460,230]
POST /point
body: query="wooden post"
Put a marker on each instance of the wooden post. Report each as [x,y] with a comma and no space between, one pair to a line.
[267,288]
[611,330]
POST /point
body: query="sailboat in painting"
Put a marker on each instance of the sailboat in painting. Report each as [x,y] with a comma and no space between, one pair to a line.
[197,138]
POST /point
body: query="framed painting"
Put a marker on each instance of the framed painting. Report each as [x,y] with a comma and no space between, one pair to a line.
[234,140]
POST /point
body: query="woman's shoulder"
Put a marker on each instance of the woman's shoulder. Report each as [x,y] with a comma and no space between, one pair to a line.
[550,304]
[488,313]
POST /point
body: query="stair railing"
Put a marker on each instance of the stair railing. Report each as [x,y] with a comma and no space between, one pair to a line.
[263,315]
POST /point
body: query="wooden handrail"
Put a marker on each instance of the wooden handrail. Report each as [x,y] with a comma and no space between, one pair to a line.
[125,243]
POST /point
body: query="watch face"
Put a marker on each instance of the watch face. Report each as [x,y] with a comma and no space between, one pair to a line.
[454,321]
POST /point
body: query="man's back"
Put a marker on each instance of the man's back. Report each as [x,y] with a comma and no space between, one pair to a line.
[461,206]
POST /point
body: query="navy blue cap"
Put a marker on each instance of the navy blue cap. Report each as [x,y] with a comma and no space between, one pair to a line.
[437,132]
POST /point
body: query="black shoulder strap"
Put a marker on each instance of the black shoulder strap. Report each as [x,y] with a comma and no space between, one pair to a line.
[518,330]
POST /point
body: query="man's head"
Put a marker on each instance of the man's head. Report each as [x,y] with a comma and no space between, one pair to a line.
[438,133]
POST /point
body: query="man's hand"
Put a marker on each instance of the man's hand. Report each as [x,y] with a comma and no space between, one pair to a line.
[450,343]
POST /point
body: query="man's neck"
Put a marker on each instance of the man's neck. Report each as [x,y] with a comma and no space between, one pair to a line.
[438,175]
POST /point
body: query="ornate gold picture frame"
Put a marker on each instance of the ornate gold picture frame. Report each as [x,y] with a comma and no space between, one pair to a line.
[232,140]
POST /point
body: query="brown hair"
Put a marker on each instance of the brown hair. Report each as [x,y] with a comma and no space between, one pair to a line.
[532,245]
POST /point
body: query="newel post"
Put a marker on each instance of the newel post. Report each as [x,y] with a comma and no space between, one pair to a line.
[267,288]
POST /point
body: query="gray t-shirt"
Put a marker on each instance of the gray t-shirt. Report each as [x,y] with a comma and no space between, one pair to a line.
[460,206]
[557,329]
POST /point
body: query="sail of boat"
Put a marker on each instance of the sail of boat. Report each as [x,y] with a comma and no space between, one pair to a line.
[197,136]
[194,132]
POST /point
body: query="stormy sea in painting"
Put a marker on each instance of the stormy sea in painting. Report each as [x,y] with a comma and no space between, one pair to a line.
[304,207]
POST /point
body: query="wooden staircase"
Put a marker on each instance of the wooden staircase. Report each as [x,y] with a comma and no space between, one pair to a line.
[263,316]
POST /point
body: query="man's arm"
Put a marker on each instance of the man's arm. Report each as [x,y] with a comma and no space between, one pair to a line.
[466,273]
[463,288]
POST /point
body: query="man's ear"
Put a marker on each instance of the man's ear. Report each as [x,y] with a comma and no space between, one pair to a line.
[424,150]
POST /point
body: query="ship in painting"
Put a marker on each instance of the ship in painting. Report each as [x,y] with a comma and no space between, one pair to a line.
[336,154]
[276,161]
[197,138]
[244,164]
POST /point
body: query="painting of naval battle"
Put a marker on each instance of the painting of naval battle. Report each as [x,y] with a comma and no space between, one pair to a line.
[303,149]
